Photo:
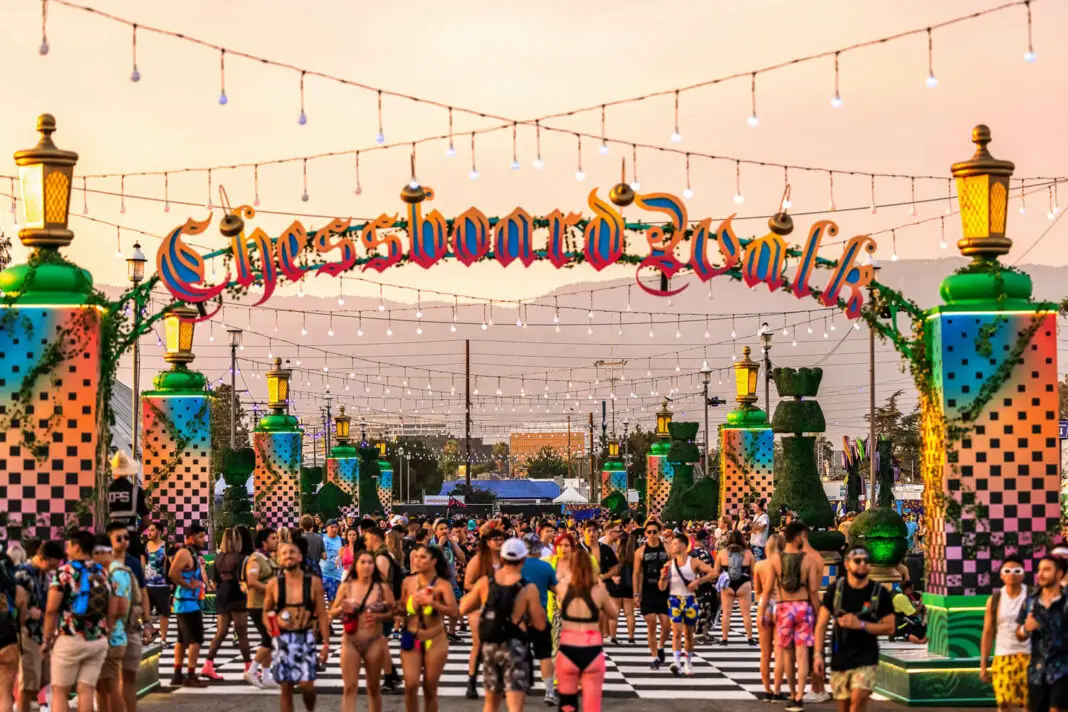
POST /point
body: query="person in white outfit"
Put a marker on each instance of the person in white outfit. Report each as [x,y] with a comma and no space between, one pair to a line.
[1008,670]
[681,577]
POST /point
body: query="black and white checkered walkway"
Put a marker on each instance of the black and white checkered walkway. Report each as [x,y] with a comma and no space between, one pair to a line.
[721,673]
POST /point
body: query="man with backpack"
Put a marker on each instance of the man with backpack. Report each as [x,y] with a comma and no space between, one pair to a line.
[34,576]
[76,624]
[294,603]
[798,583]
[190,581]
[108,692]
[862,611]
[392,576]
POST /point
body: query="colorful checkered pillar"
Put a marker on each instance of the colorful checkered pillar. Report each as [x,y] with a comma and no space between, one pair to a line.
[384,485]
[658,471]
[747,454]
[277,476]
[176,447]
[49,415]
[614,479]
[990,489]
[345,473]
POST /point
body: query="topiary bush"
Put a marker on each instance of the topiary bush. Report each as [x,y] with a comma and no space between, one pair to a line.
[236,507]
[800,488]
[884,532]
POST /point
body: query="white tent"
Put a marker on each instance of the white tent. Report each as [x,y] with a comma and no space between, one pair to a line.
[570,496]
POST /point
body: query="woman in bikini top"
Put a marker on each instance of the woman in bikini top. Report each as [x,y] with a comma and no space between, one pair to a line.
[363,603]
[426,597]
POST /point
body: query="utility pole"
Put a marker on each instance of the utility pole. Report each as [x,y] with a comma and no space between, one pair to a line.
[235,341]
[326,427]
[871,388]
[592,478]
[570,474]
[467,409]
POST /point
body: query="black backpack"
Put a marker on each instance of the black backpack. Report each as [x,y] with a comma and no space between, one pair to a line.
[496,624]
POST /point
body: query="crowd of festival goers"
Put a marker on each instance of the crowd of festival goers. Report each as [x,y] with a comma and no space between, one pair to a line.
[537,596]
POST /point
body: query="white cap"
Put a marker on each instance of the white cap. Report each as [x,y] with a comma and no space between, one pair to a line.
[514,550]
[398,519]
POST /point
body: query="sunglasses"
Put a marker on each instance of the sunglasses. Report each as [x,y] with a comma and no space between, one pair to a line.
[862,560]
[1013,571]
[122,538]
[652,531]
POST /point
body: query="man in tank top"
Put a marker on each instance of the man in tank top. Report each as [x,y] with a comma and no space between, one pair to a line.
[680,578]
[649,561]
[1008,670]
[797,583]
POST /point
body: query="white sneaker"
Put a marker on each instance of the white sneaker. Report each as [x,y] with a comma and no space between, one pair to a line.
[268,680]
[817,697]
[253,679]
[687,667]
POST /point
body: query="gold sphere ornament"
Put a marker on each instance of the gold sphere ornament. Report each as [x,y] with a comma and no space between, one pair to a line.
[621,194]
[413,193]
[231,225]
[781,223]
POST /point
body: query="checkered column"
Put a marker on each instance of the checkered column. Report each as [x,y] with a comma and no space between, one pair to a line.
[658,476]
[384,486]
[176,446]
[277,477]
[746,466]
[49,417]
[345,473]
[986,493]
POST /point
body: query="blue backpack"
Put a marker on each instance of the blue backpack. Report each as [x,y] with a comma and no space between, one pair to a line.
[93,592]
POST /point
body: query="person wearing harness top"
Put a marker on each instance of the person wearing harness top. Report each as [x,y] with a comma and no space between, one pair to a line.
[293,604]
[390,571]
[738,562]
[363,603]
[862,612]
[649,561]
[426,597]
[187,574]
[583,599]
[681,578]
[509,606]
[798,583]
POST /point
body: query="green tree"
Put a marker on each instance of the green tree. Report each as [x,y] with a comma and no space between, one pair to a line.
[220,427]
[5,250]
[449,460]
[474,494]
[368,487]
[310,477]
[422,470]
[638,444]
[546,464]
[500,452]
[824,454]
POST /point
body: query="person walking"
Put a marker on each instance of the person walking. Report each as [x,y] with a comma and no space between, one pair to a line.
[1008,670]
[231,603]
[649,561]
[331,567]
[137,626]
[316,550]
[457,561]
[1042,621]
[738,562]
[13,607]
[363,603]
[190,581]
[509,607]
[34,577]
[157,566]
[259,571]
[707,595]
[391,572]
[426,599]
[293,604]
[76,624]
[580,662]
[108,690]
[862,611]
[623,594]
[798,586]
[541,573]
[482,565]
[680,579]
[765,589]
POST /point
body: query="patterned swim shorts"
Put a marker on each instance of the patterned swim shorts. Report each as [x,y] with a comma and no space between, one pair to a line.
[506,667]
[843,682]
[794,623]
[295,654]
[1010,679]
[330,587]
[683,609]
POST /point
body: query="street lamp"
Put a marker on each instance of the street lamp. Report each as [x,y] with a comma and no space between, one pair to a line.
[278,387]
[135,265]
[870,261]
[45,179]
[765,342]
[706,378]
[626,467]
[343,423]
[235,341]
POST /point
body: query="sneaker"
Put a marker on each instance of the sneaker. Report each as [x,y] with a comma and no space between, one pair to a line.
[390,681]
[208,671]
[687,668]
[752,643]
[454,638]
[723,642]
[472,691]
[631,641]
[613,641]
[178,679]
[551,698]
[660,655]
[817,697]
[675,669]
[253,679]
[655,665]
[795,706]
[194,681]
[268,680]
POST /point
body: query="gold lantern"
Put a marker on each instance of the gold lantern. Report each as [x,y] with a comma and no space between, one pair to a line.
[613,449]
[178,327]
[663,418]
[382,450]
[278,387]
[342,423]
[745,378]
[983,194]
[45,174]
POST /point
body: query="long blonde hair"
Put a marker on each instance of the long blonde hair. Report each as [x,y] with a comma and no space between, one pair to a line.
[229,542]
[776,543]
[395,546]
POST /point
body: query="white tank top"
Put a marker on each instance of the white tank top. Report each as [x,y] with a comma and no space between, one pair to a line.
[1005,642]
[678,585]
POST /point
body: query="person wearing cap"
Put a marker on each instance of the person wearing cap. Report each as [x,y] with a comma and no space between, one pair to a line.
[127,503]
[541,573]
[862,611]
[509,608]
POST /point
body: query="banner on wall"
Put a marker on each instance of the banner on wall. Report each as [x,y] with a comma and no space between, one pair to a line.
[256,258]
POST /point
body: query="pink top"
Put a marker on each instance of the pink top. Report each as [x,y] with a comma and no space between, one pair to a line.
[346,558]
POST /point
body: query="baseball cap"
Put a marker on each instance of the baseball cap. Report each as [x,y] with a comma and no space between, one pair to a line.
[514,550]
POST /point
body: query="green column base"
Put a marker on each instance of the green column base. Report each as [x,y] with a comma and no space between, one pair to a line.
[955,625]
[148,673]
[919,678]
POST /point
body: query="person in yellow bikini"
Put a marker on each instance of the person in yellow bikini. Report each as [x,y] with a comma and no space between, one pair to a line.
[426,597]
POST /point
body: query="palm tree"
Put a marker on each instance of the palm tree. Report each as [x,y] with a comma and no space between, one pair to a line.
[499,453]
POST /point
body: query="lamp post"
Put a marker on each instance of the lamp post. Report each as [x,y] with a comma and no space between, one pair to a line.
[400,473]
[765,342]
[706,378]
[235,341]
[872,475]
[135,265]
[626,468]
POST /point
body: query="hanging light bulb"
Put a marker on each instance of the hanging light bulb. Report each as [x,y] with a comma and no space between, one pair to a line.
[676,136]
[380,137]
[734,334]
[450,151]
[738,197]
[537,163]
[753,121]
[1029,55]
[931,80]
[473,175]
[795,336]
[304,326]
[579,173]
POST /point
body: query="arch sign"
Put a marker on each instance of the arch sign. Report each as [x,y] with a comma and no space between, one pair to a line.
[260,259]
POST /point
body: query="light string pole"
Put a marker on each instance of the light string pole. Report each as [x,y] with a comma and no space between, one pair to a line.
[235,341]
[135,263]
[467,411]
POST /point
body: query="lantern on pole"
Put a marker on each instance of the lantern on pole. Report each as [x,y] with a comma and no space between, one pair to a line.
[745,379]
[178,328]
[45,173]
[278,387]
